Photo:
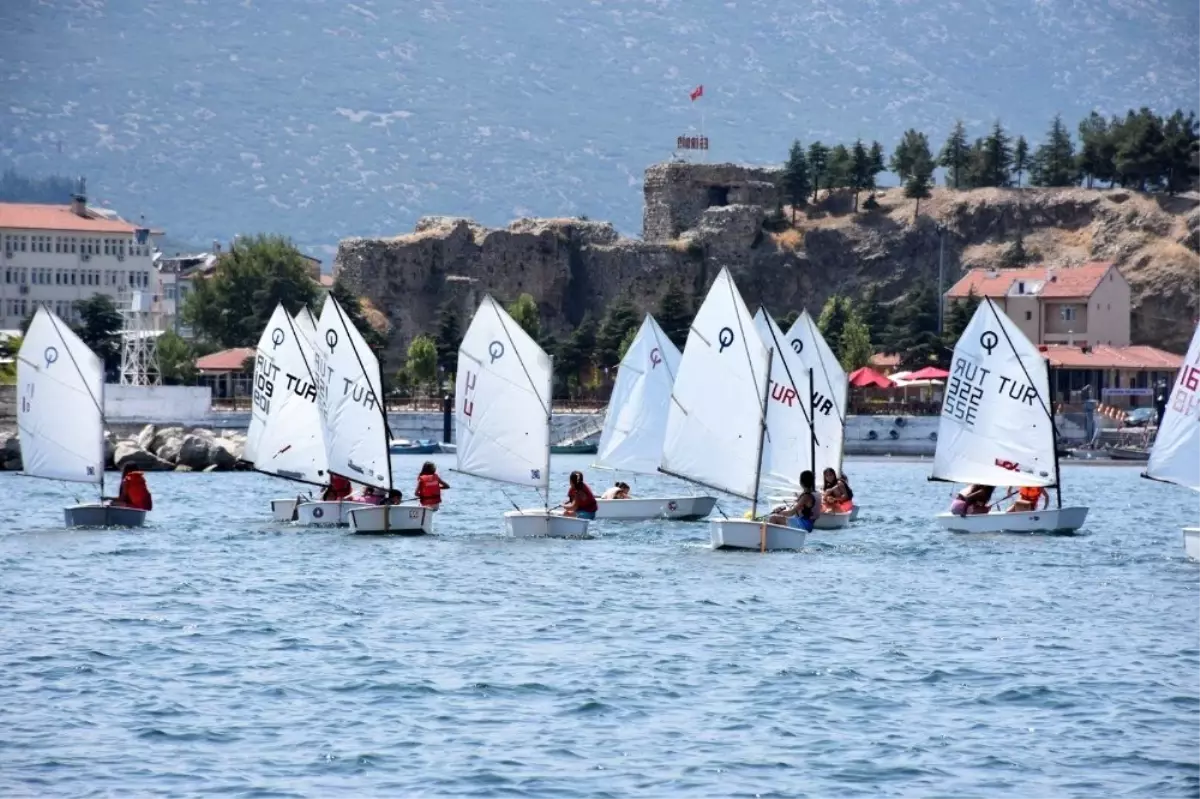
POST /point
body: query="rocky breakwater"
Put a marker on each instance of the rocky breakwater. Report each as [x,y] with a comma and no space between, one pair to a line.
[158,449]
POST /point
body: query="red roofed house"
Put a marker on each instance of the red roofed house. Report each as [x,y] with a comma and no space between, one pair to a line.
[1081,316]
[224,371]
[60,254]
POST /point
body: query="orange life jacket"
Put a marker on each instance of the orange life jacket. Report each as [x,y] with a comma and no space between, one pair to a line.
[429,489]
[134,492]
[1031,494]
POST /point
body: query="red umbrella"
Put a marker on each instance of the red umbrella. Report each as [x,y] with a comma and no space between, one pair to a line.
[929,373]
[866,376]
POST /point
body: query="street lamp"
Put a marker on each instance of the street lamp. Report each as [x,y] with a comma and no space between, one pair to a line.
[941,300]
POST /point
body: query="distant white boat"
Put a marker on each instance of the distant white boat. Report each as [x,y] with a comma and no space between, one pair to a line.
[60,415]
[997,427]
[1175,457]
[503,417]
[634,426]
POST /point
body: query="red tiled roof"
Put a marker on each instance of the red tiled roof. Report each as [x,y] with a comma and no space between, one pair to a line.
[326,281]
[884,360]
[1069,281]
[1106,357]
[225,360]
[31,216]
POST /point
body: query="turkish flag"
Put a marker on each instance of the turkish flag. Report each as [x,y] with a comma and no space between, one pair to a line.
[697,93]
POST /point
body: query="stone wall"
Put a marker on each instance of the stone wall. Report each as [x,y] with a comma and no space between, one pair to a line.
[678,194]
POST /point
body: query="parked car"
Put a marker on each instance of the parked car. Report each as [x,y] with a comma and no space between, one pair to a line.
[1140,417]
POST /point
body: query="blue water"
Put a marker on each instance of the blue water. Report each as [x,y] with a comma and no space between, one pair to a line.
[215,653]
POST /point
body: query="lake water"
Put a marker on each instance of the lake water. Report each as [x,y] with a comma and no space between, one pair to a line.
[215,653]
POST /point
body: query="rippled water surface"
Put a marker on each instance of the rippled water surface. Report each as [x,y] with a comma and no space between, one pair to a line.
[216,653]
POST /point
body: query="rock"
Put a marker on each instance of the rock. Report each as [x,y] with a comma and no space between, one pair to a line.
[145,439]
[127,452]
[224,454]
[10,457]
[212,468]
[202,432]
[169,449]
[195,451]
[163,435]
[184,469]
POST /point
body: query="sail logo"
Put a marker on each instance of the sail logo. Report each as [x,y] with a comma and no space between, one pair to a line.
[964,391]
[302,388]
[1184,399]
[787,395]
[725,338]
[655,358]
[91,471]
[469,394]
[535,474]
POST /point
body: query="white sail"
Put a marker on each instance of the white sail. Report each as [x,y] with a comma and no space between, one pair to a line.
[306,325]
[60,403]
[285,436]
[996,426]
[349,396]
[831,389]
[636,421]
[788,430]
[715,422]
[502,415]
[1175,457]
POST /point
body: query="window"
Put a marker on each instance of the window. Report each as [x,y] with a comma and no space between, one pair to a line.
[74,275]
[1067,313]
[1021,287]
[1028,316]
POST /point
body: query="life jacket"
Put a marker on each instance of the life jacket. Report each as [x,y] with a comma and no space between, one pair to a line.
[339,488]
[583,498]
[134,492]
[429,489]
[1031,494]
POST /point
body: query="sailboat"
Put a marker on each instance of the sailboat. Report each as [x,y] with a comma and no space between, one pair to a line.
[717,425]
[284,439]
[635,423]
[60,416]
[503,416]
[831,390]
[790,411]
[997,426]
[1175,457]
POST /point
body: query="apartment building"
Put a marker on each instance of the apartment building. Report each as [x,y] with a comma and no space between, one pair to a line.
[59,254]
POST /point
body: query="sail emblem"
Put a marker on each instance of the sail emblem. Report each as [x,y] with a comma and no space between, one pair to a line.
[725,338]
[51,355]
[797,346]
[277,337]
[988,341]
[496,351]
[535,474]
[331,338]
[655,358]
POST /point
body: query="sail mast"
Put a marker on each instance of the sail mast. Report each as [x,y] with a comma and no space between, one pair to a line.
[762,434]
[549,428]
[812,439]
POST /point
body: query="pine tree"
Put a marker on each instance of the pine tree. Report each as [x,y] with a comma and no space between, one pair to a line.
[787,320]
[1180,136]
[955,155]
[875,314]
[675,314]
[1020,163]
[1054,161]
[618,320]
[920,168]
[839,167]
[526,314]
[832,322]
[795,178]
[1138,156]
[575,353]
[1094,161]
[818,166]
[449,337]
[878,162]
[860,170]
[903,155]
[997,157]
[975,173]
[914,329]
[958,316]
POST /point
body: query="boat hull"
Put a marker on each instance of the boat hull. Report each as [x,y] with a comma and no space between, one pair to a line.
[326,514]
[421,447]
[1191,542]
[1053,520]
[282,510]
[588,448]
[678,508]
[748,534]
[391,519]
[833,521]
[97,515]
[542,524]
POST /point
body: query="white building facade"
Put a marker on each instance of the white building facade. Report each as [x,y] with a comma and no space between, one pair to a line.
[58,255]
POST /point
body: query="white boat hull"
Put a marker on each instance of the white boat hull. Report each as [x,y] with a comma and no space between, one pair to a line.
[833,521]
[678,508]
[394,519]
[542,524]
[326,514]
[748,534]
[1052,520]
[97,515]
[854,513]
[282,510]
[1191,542]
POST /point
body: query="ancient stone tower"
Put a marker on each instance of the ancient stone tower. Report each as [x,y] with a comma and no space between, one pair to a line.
[677,194]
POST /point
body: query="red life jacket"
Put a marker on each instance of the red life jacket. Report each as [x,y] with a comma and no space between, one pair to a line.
[339,488]
[429,489]
[583,498]
[134,492]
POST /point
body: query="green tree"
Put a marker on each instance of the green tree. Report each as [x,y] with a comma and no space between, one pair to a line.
[176,359]
[839,168]
[525,313]
[856,350]
[920,170]
[997,157]
[9,347]
[352,306]
[1139,150]
[957,317]
[795,178]
[1020,162]
[1095,159]
[904,158]
[620,318]
[955,155]
[875,314]
[1180,137]
[675,314]
[914,333]
[422,364]
[878,163]
[832,322]
[1054,162]
[100,325]
[449,337]
[575,353]
[787,320]
[627,342]
[232,306]
[818,167]
[860,175]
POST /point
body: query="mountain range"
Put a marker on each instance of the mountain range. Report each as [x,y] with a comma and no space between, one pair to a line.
[323,119]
